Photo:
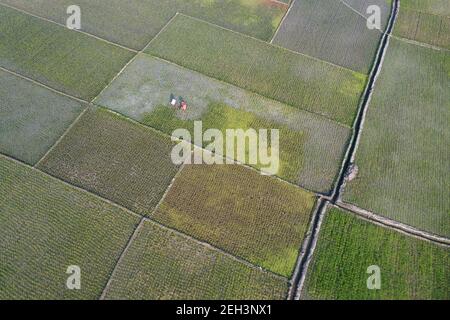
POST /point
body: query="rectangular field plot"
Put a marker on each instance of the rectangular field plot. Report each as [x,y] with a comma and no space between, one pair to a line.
[47,226]
[274,72]
[62,59]
[115,158]
[162,264]
[136,22]
[403,154]
[234,208]
[438,7]
[311,147]
[32,118]
[425,21]
[409,268]
[332,31]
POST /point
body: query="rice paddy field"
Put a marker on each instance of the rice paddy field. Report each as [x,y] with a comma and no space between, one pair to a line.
[425,21]
[297,80]
[133,25]
[332,31]
[268,218]
[402,157]
[48,226]
[163,264]
[88,122]
[410,268]
[32,118]
[68,61]
[311,147]
[115,158]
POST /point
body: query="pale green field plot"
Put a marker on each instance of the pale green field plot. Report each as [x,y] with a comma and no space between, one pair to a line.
[331,31]
[311,147]
[437,7]
[162,264]
[409,268]
[32,118]
[252,216]
[274,72]
[425,21]
[115,158]
[47,226]
[135,23]
[62,59]
[403,154]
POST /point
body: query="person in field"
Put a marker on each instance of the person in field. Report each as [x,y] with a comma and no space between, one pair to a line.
[183,105]
[178,103]
[173,100]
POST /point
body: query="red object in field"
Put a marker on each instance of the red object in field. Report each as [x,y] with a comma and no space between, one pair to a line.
[183,105]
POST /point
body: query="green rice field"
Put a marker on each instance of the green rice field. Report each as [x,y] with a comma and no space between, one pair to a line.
[274,72]
[48,226]
[32,118]
[409,268]
[426,21]
[320,147]
[402,159]
[69,61]
[162,264]
[311,147]
[137,22]
[115,158]
[329,30]
[255,217]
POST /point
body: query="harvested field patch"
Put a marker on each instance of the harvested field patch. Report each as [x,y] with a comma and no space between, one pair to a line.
[161,264]
[249,215]
[115,158]
[271,71]
[403,153]
[66,60]
[137,22]
[410,268]
[331,31]
[311,149]
[47,226]
[425,21]
[32,118]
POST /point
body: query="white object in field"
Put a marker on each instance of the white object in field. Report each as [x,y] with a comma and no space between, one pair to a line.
[173,102]
[352,172]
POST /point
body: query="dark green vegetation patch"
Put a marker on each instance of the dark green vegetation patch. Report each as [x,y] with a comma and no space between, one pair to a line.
[252,216]
[47,226]
[161,264]
[115,158]
[66,60]
[409,268]
[271,71]
[32,118]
